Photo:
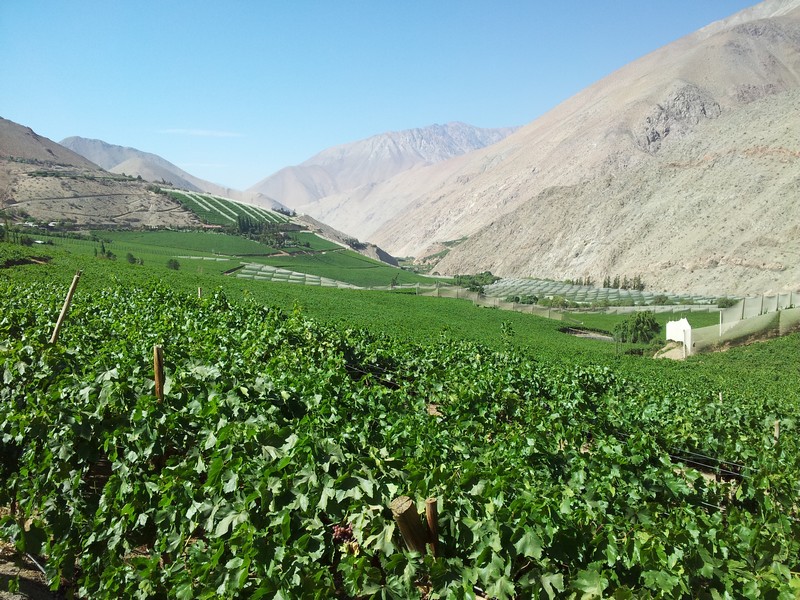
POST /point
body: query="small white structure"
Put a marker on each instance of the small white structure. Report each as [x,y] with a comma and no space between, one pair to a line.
[681,331]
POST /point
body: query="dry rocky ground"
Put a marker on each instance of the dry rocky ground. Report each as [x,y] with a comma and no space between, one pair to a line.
[85,197]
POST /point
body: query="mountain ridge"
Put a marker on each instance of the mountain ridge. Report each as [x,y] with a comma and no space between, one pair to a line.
[364,163]
[619,127]
[154,168]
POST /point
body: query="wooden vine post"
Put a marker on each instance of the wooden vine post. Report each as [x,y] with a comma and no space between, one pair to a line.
[158,371]
[65,308]
[415,534]
[432,517]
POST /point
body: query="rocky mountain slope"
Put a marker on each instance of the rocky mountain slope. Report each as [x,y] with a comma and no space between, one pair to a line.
[326,185]
[18,143]
[681,167]
[153,168]
[45,181]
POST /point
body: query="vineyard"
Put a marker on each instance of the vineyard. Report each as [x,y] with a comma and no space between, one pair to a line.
[216,210]
[266,464]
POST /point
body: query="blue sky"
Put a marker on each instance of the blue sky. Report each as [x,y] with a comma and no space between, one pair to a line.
[233,91]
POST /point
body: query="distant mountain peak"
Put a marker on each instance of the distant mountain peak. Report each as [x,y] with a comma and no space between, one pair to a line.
[366,162]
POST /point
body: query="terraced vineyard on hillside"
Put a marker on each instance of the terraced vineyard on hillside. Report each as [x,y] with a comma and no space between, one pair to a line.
[215,210]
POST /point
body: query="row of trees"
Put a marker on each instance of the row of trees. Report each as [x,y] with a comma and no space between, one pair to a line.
[587,281]
[615,282]
[635,283]
[12,235]
[271,234]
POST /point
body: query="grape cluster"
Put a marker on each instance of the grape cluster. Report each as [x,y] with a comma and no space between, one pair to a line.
[343,533]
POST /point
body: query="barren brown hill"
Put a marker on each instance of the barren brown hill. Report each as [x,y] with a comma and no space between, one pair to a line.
[44,181]
[22,143]
[681,166]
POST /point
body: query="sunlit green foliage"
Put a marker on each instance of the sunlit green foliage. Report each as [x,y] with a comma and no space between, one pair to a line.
[556,475]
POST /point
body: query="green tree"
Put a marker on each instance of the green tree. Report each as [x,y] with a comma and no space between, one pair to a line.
[173,264]
[638,328]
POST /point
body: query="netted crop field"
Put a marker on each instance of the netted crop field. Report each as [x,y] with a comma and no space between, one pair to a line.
[258,272]
[582,293]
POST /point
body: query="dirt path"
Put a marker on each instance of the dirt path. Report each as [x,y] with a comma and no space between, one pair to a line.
[672,350]
[32,583]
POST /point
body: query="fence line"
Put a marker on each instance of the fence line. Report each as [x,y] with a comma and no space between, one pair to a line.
[748,308]
[764,316]
[770,324]
[754,317]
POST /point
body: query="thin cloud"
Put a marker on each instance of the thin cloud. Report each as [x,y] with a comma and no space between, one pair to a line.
[203,133]
[203,166]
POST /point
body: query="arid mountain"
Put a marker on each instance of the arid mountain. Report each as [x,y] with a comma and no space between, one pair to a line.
[153,168]
[22,143]
[45,181]
[682,167]
[322,184]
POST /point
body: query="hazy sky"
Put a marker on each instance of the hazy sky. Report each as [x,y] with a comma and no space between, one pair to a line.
[233,91]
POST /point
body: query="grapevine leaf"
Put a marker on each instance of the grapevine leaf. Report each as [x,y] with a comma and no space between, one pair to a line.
[529,545]
[552,583]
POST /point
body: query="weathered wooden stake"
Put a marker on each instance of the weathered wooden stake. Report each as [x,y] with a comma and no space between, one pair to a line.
[65,308]
[776,431]
[199,292]
[408,520]
[432,516]
[158,371]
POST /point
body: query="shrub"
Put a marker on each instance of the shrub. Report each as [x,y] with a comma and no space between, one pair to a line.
[639,328]
[476,283]
[524,299]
